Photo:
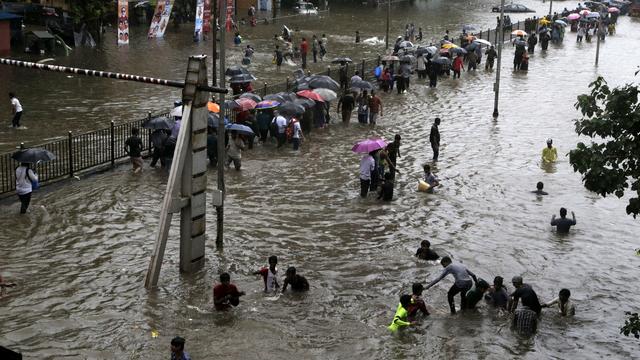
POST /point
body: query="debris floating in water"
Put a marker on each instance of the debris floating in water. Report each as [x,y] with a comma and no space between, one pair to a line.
[154,333]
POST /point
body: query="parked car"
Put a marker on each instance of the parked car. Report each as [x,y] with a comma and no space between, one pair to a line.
[512,8]
[305,8]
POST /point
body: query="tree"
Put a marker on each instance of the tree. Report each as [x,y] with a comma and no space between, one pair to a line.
[611,164]
[91,13]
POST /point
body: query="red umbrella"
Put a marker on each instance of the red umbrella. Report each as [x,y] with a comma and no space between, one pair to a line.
[244,104]
[310,95]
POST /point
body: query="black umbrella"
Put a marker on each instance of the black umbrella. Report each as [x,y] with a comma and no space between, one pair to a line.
[252,96]
[341,60]
[159,123]
[213,119]
[362,85]
[158,138]
[236,70]
[276,97]
[304,102]
[33,155]
[406,58]
[322,82]
[291,108]
[442,60]
[242,78]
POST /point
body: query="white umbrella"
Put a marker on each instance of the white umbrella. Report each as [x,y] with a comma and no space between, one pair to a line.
[326,94]
[176,112]
[482,42]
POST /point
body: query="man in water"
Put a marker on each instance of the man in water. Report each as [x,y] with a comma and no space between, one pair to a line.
[538,190]
[386,189]
[367,166]
[563,224]
[491,56]
[16,110]
[177,349]
[424,252]
[346,103]
[475,295]
[355,78]
[298,282]
[226,294]
[565,306]
[497,294]
[434,139]
[393,149]
[281,125]
[461,285]
[525,293]
[549,153]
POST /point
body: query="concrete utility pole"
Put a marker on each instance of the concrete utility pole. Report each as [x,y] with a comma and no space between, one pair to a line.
[187,184]
[496,86]
[386,39]
[550,8]
[218,200]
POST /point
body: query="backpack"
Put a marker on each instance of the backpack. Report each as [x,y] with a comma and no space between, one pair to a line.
[288,132]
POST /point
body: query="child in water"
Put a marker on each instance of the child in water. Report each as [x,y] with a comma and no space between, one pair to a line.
[386,189]
[565,306]
[430,178]
[269,275]
[400,319]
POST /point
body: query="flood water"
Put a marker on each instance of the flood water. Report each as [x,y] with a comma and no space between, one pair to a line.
[81,254]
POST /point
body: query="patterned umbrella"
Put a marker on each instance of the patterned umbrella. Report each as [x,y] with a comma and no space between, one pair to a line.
[267,104]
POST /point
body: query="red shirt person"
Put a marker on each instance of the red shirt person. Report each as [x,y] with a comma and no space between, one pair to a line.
[226,294]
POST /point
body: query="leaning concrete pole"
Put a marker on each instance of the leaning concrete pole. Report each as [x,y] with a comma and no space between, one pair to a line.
[185,192]
[194,174]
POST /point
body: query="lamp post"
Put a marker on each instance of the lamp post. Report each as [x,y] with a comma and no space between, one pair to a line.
[496,86]
[598,29]
[386,39]
[220,133]
[550,8]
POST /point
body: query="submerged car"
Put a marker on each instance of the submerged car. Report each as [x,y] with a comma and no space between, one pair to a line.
[512,8]
[305,8]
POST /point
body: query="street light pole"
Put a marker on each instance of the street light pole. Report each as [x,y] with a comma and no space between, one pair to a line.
[221,146]
[386,39]
[496,86]
[550,8]
[214,32]
[598,41]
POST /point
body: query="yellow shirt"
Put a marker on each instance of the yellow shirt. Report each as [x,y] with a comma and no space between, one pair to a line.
[399,319]
[549,154]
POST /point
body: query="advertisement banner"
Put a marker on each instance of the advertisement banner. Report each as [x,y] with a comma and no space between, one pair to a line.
[123,22]
[197,34]
[206,18]
[160,19]
[229,20]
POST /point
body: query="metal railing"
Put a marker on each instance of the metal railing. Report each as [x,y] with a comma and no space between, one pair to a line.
[77,153]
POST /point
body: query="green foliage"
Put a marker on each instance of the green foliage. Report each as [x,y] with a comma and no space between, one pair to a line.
[631,325]
[90,11]
[610,163]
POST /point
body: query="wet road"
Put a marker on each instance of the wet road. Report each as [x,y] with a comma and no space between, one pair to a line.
[81,264]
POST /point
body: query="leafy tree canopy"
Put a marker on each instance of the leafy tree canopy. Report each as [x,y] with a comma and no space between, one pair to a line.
[610,163]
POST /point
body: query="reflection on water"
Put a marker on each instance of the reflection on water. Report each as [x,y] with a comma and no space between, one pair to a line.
[81,254]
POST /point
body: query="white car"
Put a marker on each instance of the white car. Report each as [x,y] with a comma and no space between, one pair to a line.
[305,8]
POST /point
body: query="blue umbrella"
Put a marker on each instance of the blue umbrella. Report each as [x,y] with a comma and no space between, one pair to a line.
[242,129]
[213,119]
